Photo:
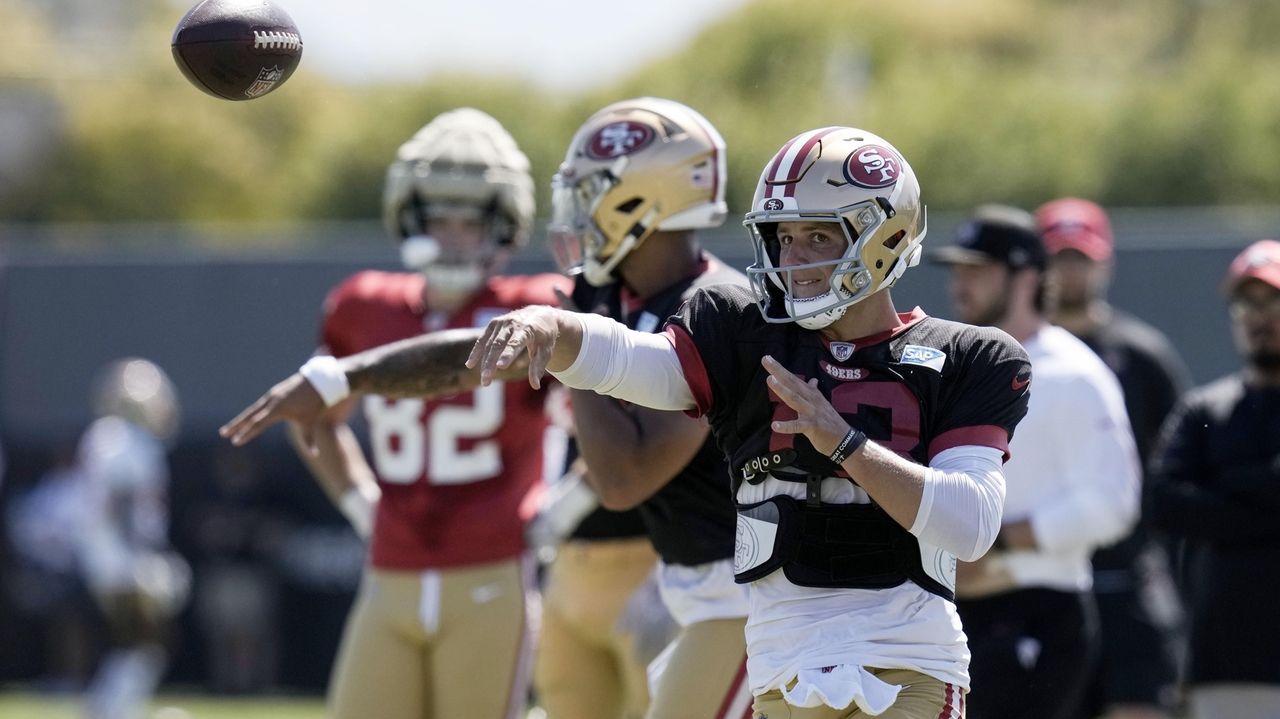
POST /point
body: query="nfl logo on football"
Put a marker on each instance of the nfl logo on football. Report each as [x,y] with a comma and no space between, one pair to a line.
[267,78]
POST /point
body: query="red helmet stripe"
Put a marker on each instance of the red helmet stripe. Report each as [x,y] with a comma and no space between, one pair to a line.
[792,156]
[798,161]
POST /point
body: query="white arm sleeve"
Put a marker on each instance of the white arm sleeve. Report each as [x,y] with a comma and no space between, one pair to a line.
[963,501]
[639,367]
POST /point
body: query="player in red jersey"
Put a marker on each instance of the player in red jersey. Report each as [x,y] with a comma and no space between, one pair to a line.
[439,627]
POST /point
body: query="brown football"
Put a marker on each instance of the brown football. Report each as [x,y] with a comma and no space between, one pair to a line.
[237,49]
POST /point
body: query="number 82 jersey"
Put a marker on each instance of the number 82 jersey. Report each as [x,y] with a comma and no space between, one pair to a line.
[453,470]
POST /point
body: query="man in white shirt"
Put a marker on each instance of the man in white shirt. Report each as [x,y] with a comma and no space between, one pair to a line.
[1072,485]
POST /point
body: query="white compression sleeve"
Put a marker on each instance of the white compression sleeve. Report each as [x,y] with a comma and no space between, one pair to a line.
[639,367]
[963,501]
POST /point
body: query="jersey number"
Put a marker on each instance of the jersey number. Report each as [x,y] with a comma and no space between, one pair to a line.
[403,444]
[897,407]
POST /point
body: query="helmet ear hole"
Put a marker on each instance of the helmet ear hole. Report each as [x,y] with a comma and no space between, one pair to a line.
[629,206]
[892,241]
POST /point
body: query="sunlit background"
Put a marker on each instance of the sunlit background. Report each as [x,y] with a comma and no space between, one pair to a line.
[141,217]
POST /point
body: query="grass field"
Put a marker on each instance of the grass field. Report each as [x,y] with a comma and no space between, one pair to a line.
[30,706]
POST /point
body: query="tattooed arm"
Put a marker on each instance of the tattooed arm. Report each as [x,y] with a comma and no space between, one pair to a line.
[429,365]
[424,366]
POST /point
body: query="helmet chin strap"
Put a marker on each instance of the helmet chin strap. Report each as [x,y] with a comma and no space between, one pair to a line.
[812,304]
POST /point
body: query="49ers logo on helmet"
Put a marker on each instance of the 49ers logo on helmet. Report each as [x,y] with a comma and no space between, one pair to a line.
[619,138]
[872,166]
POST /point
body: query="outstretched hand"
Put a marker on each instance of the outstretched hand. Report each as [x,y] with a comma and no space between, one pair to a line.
[815,417]
[293,399]
[533,329]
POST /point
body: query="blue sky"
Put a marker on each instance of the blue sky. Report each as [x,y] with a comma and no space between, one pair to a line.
[566,44]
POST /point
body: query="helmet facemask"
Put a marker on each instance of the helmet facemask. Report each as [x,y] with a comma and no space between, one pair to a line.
[577,243]
[850,280]
[451,266]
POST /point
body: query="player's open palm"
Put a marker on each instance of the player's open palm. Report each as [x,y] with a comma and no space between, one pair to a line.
[291,399]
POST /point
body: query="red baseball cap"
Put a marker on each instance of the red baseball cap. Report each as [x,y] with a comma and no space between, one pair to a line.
[1074,224]
[1260,261]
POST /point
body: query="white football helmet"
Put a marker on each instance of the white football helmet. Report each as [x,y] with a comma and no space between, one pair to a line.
[137,390]
[634,168]
[461,164]
[845,176]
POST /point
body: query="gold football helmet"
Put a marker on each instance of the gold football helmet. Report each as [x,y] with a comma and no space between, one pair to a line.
[634,168]
[463,164]
[845,176]
[139,391]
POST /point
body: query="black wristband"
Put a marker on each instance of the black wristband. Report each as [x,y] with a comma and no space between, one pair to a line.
[854,439]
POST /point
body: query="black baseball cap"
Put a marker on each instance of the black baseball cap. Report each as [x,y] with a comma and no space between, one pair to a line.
[996,233]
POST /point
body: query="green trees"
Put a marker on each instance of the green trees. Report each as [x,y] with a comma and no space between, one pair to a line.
[1150,102]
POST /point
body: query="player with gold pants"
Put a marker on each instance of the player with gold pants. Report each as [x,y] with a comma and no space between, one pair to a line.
[585,667]
[464,617]
[705,676]
[640,177]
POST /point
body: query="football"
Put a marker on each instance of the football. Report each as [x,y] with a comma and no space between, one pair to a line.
[237,49]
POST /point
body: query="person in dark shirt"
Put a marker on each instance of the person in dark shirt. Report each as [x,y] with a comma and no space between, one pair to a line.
[1215,484]
[1137,607]
[639,179]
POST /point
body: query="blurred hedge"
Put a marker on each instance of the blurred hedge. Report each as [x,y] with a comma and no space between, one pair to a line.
[1148,102]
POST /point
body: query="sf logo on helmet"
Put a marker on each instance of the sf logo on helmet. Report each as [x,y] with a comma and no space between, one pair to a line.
[872,166]
[619,138]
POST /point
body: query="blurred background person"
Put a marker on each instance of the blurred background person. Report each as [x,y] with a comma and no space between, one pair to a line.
[1072,485]
[440,625]
[640,178]
[123,543]
[1215,486]
[1137,608]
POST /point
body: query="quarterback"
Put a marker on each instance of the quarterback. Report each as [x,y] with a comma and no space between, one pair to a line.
[865,445]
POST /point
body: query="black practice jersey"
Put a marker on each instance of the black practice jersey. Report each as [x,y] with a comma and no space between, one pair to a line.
[1152,377]
[1215,484]
[923,387]
[691,520]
